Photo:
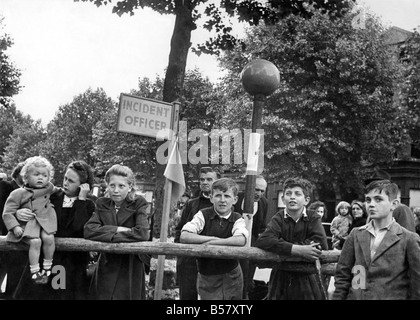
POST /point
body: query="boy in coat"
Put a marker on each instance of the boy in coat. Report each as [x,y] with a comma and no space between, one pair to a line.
[381,260]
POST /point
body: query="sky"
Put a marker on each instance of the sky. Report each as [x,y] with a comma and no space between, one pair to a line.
[63,48]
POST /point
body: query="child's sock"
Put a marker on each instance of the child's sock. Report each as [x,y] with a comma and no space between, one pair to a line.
[34,268]
[47,264]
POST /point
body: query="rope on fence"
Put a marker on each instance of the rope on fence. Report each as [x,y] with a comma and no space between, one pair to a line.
[263,258]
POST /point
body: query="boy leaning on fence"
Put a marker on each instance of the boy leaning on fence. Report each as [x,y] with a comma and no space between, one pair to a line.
[218,279]
[293,231]
[380,260]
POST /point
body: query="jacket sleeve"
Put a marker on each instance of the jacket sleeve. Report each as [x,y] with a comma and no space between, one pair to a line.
[343,275]
[334,226]
[83,212]
[413,257]
[141,230]
[95,230]
[272,239]
[316,231]
[13,203]
[182,221]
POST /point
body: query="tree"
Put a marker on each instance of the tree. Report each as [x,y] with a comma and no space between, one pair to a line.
[409,88]
[187,13]
[333,114]
[24,142]
[9,86]
[9,74]
[69,134]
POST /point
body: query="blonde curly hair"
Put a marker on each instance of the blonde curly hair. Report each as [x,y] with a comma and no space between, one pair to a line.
[36,161]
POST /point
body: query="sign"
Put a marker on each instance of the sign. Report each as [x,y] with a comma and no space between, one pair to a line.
[144,117]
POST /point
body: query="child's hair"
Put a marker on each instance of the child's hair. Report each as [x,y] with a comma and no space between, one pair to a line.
[298,182]
[83,170]
[124,171]
[360,205]
[36,161]
[224,184]
[388,187]
[342,204]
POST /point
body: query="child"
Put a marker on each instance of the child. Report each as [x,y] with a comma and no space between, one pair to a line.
[218,279]
[295,232]
[119,217]
[34,195]
[380,260]
[340,225]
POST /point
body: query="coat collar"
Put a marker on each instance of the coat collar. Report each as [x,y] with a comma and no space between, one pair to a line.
[41,192]
[122,215]
[391,237]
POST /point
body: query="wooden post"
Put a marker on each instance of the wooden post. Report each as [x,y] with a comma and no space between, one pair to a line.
[259,101]
[166,209]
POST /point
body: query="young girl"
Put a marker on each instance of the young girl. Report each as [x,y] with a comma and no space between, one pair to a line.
[39,232]
[120,217]
[340,225]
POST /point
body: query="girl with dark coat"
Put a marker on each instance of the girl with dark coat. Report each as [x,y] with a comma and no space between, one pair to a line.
[121,217]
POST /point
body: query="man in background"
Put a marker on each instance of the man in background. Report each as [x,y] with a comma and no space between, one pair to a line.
[258,226]
[186,267]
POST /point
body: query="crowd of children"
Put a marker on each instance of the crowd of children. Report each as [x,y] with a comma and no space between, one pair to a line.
[35,212]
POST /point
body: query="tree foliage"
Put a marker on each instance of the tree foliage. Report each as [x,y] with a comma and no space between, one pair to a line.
[333,114]
[24,142]
[9,74]
[409,88]
[70,133]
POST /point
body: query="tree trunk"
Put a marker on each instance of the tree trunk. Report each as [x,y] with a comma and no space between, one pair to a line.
[172,89]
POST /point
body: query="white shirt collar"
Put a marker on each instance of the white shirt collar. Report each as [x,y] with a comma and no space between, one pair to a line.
[304,214]
[68,201]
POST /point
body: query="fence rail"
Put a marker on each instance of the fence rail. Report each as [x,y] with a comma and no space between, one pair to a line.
[264,258]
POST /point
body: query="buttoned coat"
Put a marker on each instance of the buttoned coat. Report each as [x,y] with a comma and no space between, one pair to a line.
[119,276]
[38,201]
[392,274]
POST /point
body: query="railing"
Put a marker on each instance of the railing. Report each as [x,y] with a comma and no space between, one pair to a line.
[328,259]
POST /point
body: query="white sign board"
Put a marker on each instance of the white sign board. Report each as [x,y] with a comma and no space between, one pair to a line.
[145,117]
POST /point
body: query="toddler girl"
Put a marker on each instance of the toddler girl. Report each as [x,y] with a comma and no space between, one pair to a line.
[39,232]
[341,223]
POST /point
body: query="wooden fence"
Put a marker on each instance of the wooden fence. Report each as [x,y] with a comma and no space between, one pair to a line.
[328,259]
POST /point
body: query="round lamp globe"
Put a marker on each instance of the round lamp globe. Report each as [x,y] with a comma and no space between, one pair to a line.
[260,77]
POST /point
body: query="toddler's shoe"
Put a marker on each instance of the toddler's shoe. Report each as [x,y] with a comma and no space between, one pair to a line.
[37,277]
[45,276]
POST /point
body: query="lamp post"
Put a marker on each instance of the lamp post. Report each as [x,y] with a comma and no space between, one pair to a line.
[260,78]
